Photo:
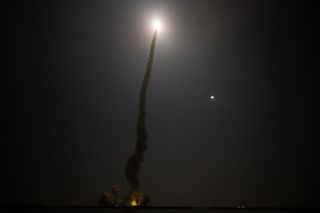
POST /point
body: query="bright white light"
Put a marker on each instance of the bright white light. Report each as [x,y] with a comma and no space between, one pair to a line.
[157,25]
[211,97]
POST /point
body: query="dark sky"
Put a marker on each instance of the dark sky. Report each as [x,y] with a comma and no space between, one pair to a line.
[70,81]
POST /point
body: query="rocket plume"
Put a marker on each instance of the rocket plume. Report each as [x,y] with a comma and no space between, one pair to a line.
[133,165]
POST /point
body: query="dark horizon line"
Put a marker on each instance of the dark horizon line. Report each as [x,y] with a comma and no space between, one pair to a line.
[12,205]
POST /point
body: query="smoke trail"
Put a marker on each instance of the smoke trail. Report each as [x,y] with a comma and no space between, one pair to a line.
[134,162]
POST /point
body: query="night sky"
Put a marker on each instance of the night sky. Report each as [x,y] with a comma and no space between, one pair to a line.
[70,82]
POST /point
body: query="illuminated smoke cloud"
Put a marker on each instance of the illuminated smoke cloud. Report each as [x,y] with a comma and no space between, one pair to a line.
[111,198]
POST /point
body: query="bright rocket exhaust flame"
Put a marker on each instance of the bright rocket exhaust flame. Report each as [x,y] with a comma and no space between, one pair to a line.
[157,25]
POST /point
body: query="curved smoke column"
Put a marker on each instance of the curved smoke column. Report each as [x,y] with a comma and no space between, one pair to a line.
[132,168]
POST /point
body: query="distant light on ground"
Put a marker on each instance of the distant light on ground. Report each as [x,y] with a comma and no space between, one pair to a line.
[133,203]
